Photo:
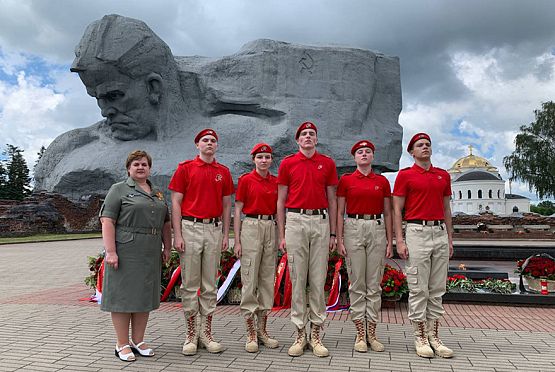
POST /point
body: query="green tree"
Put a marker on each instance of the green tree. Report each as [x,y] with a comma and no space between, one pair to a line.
[545,208]
[533,160]
[39,156]
[3,179]
[18,182]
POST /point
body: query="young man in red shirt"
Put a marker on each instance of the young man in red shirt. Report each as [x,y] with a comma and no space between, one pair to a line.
[365,238]
[201,208]
[255,245]
[424,192]
[306,187]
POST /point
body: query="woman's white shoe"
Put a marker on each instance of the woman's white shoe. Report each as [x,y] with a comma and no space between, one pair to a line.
[144,352]
[129,357]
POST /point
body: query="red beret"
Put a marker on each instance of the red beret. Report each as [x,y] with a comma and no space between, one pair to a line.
[205,132]
[362,144]
[261,147]
[303,126]
[416,137]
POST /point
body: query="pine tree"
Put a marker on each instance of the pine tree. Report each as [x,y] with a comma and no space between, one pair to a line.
[3,179]
[39,156]
[18,183]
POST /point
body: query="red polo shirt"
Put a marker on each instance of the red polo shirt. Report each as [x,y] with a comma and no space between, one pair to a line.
[258,194]
[307,179]
[423,191]
[364,194]
[203,186]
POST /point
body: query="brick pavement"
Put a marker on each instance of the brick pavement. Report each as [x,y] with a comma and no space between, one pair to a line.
[44,327]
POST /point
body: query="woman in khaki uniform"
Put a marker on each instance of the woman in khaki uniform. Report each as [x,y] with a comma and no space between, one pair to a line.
[365,239]
[135,223]
[255,245]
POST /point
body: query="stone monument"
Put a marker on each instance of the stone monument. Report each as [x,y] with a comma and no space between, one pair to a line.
[154,101]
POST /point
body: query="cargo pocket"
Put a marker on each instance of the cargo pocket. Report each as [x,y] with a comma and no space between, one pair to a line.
[349,266]
[412,275]
[246,267]
[291,265]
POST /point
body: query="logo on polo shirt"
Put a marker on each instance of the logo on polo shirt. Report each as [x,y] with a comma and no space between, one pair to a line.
[439,177]
[218,177]
[376,187]
[320,166]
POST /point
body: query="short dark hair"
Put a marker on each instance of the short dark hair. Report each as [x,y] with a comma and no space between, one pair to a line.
[136,155]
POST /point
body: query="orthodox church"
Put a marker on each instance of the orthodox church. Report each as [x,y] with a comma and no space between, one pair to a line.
[478,187]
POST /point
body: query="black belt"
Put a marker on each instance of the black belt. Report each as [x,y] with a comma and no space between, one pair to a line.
[365,216]
[261,216]
[214,220]
[139,230]
[309,212]
[427,223]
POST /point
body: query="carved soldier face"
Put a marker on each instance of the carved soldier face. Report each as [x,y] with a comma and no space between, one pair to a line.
[131,106]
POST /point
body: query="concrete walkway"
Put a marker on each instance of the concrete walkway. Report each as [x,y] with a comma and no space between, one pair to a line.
[45,327]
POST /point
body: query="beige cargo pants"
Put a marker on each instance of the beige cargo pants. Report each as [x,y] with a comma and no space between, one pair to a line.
[258,265]
[365,242]
[199,266]
[307,240]
[426,268]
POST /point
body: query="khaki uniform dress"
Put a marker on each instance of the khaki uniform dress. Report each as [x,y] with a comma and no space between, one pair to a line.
[135,286]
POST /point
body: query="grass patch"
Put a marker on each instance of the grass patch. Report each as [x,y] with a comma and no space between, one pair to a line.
[48,238]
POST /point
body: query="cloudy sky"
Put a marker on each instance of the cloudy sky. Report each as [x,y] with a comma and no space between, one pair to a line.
[472,72]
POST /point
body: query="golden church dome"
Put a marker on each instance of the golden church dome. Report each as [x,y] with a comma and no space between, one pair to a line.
[472,161]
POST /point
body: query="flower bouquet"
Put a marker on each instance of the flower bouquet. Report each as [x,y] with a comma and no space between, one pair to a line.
[394,283]
[460,283]
[535,269]
[94,263]
[502,286]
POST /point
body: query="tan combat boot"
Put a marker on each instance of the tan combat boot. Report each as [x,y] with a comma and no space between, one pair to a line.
[316,344]
[421,344]
[206,340]
[360,341]
[190,345]
[263,334]
[252,341]
[375,345]
[436,344]
[297,349]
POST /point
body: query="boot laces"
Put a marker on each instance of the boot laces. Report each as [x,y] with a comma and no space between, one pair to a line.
[251,330]
[315,336]
[372,330]
[422,333]
[300,336]
[263,320]
[191,328]
[359,325]
[435,333]
[208,329]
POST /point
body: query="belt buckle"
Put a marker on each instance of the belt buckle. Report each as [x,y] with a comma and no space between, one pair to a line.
[309,212]
[153,231]
[367,216]
[430,223]
[206,220]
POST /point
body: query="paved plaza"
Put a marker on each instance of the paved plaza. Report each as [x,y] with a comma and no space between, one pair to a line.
[46,326]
